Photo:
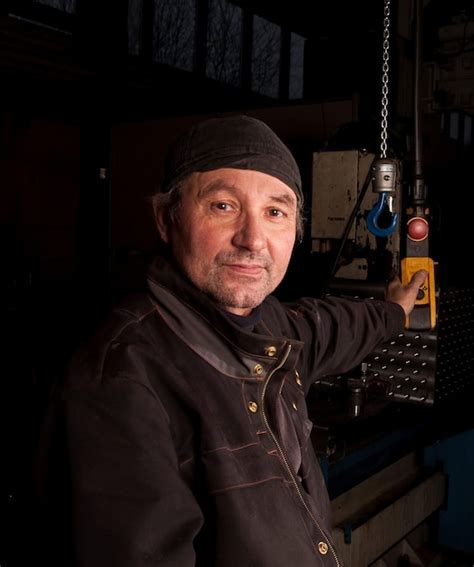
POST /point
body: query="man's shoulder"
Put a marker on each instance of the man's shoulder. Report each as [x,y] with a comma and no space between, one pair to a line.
[288,308]
[125,325]
[128,315]
[294,317]
[277,314]
[130,322]
[133,308]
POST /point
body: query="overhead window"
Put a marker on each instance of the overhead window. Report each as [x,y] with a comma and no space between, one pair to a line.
[165,31]
[135,21]
[63,5]
[173,33]
[467,130]
[266,42]
[297,46]
[224,42]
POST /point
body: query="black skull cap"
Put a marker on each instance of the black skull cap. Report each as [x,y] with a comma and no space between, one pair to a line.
[239,142]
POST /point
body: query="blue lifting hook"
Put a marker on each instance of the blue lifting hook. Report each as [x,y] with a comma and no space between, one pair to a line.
[383,182]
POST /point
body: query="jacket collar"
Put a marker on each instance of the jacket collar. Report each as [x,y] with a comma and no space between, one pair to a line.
[206,329]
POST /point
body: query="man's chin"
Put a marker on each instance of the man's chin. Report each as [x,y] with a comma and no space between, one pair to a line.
[232,299]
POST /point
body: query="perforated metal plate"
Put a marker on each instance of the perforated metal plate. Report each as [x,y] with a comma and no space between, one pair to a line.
[407,366]
[455,360]
[423,367]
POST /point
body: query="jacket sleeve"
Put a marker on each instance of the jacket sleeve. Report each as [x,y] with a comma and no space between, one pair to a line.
[339,333]
[130,507]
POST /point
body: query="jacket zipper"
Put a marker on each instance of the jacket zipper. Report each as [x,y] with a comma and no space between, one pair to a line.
[283,456]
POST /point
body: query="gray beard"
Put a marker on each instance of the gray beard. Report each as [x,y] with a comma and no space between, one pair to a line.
[225,294]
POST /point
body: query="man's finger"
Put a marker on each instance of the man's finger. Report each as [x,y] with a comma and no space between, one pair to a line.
[419,278]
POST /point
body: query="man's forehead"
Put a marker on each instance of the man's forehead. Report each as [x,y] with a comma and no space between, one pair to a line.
[241,181]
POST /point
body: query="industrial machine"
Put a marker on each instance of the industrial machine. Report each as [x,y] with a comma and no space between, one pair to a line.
[371,236]
[377,427]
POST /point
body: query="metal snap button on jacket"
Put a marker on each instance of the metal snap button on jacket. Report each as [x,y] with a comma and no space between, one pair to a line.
[323,547]
[253,407]
[298,379]
[258,369]
[270,351]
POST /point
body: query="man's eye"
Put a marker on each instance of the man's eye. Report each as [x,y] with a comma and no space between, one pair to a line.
[222,206]
[275,213]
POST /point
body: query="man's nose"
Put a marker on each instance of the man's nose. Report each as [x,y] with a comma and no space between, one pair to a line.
[250,233]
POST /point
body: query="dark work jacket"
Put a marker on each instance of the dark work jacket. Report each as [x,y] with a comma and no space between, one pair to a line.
[168,443]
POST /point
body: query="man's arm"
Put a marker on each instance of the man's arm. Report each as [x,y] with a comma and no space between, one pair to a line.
[340,333]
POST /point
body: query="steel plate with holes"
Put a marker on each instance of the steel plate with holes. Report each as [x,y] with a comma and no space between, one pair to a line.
[407,366]
[422,367]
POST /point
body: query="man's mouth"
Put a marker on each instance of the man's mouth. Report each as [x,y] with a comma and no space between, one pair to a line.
[246,269]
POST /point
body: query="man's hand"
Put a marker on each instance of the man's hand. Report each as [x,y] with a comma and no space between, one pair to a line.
[405,295]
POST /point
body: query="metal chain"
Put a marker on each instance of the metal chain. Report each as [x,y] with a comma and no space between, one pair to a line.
[385,69]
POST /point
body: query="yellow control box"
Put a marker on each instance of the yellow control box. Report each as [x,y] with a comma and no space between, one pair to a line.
[426,297]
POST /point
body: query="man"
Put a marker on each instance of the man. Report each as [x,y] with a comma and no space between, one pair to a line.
[182,429]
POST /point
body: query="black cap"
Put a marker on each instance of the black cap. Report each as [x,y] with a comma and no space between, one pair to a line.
[239,142]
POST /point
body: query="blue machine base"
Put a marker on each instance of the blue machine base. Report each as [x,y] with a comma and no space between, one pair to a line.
[455,456]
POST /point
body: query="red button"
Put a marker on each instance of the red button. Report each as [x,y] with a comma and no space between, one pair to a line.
[417,229]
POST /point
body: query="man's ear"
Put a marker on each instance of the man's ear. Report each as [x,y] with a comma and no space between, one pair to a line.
[162,223]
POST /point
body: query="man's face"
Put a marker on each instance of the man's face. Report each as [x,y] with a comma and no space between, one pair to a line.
[234,235]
